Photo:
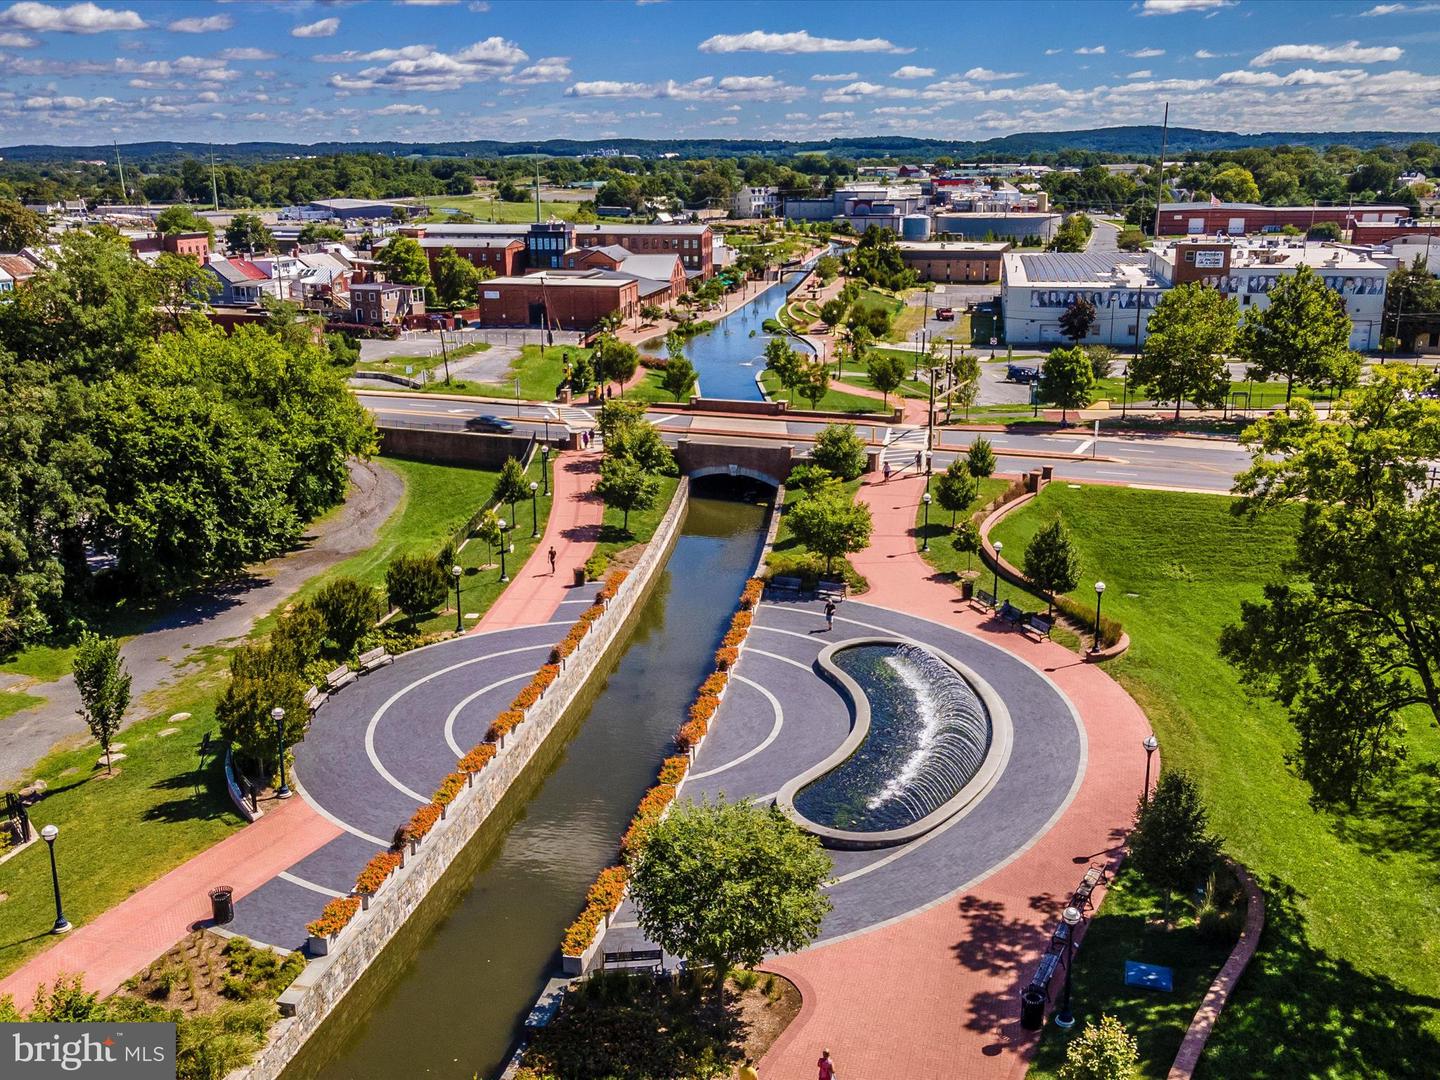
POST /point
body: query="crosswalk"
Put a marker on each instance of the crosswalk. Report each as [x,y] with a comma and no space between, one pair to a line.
[902,448]
[573,418]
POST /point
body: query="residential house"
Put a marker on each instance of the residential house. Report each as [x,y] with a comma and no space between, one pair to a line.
[239,283]
[385,303]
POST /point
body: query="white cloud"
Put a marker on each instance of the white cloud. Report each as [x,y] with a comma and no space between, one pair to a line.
[246,53]
[724,121]
[400,109]
[1090,50]
[17,41]
[708,88]
[351,56]
[1299,77]
[844,76]
[1145,74]
[609,88]
[1399,9]
[545,70]
[86,18]
[208,25]
[1053,52]
[910,71]
[831,117]
[1144,54]
[1352,52]
[66,103]
[1205,54]
[423,69]
[855,90]
[323,28]
[799,41]
[980,74]
[1178,7]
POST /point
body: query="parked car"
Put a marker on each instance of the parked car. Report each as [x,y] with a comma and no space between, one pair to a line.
[489,423]
[1022,373]
[945,314]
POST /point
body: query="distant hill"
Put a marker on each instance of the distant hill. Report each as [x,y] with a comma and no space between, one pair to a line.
[1136,141]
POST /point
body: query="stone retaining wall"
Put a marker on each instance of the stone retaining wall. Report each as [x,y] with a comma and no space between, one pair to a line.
[326,980]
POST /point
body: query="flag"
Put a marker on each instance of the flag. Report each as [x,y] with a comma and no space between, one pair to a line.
[1215,200]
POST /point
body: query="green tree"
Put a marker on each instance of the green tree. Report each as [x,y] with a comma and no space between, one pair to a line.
[964,372]
[416,584]
[980,459]
[808,478]
[832,312]
[350,609]
[617,360]
[261,680]
[626,486]
[956,489]
[403,261]
[1189,335]
[1051,562]
[181,218]
[839,451]
[887,373]
[1078,320]
[831,523]
[1068,380]
[1235,184]
[967,539]
[678,377]
[1171,846]
[104,687]
[319,232]
[511,486]
[456,279]
[1410,292]
[19,227]
[615,415]
[247,233]
[1103,1051]
[1303,335]
[1346,641]
[727,884]
[785,362]
[814,382]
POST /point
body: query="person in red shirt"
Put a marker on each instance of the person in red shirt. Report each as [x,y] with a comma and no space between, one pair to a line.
[826,1066]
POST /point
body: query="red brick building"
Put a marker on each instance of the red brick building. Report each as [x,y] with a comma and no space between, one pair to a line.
[194,244]
[558,299]
[1382,233]
[693,243]
[662,277]
[505,255]
[1237,219]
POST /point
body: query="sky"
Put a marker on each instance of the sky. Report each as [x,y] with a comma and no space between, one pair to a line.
[310,71]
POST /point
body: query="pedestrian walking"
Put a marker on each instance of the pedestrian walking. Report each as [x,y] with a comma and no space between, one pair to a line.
[887,472]
[829,614]
[826,1066]
[747,1071]
[917,460]
[552,560]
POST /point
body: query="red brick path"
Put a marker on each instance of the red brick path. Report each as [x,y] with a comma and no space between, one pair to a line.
[936,994]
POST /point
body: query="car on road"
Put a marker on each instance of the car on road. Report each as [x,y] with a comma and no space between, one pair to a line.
[492,424]
[945,314]
[1022,373]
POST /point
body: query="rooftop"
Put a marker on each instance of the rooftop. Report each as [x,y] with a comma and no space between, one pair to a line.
[954,245]
[1099,268]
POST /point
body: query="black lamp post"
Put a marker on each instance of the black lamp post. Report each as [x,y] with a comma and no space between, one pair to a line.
[455,572]
[1125,393]
[999,547]
[925,543]
[1099,592]
[278,715]
[1065,1018]
[534,510]
[545,466]
[504,577]
[1151,744]
[62,924]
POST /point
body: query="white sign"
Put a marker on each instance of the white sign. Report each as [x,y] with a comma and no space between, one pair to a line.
[1210,260]
[491,294]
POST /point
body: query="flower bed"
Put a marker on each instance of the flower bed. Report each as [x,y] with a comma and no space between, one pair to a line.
[600,903]
[335,917]
[673,769]
[421,822]
[725,657]
[450,788]
[754,590]
[715,684]
[377,871]
[503,724]
[690,734]
[476,760]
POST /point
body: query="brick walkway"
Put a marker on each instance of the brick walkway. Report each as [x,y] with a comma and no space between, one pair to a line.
[141,928]
[936,994]
[573,529]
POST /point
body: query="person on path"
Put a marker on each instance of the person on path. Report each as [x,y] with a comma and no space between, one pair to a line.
[552,560]
[747,1071]
[887,472]
[829,614]
[826,1066]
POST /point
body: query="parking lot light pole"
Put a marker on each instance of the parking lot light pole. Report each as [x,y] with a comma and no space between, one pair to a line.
[62,924]
[999,546]
[925,543]
[278,715]
[1065,1018]
[455,572]
[1151,744]
[504,577]
[534,510]
[1099,592]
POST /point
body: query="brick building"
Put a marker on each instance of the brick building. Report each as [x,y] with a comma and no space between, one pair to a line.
[1371,233]
[547,242]
[386,303]
[1237,219]
[502,254]
[558,299]
[947,261]
[194,244]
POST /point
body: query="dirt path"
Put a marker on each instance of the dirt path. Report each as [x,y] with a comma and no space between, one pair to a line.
[162,654]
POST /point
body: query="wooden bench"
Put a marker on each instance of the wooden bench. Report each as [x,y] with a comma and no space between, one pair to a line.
[790,586]
[341,676]
[984,599]
[830,590]
[649,958]
[1011,614]
[314,698]
[1039,623]
[375,659]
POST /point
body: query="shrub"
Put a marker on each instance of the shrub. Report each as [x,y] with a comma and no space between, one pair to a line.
[376,871]
[714,684]
[476,760]
[839,451]
[1084,614]
[421,822]
[733,639]
[690,734]
[673,769]
[655,801]
[416,584]
[450,788]
[726,657]
[503,724]
[741,621]
[1103,1051]
[529,694]
[335,916]
[703,707]
[754,589]
[595,566]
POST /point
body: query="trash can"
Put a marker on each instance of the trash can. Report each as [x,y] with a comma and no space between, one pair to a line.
[967,589]
[579,576]
[1032,1009]
[222,905]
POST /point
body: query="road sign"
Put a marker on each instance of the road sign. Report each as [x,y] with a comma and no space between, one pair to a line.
[994,341]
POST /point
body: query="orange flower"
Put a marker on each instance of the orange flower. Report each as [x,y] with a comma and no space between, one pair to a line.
[376,871]
[704,707]
[503,724]
[476,760]
[450,787]
[673,769]
[714,684]
[690,734]
[422,821]
[725,658]
[335,917]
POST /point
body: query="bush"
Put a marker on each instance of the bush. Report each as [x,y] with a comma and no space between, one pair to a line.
[450,788]
[840,452]
[503,724]
[421,822]
[595,566]
[673,769]
[603,898]
[1102,1051]
[476,760]
[350,610]
[376,872]
[726,656]
[416,584]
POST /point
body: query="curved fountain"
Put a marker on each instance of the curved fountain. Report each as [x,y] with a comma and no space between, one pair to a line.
[929,738]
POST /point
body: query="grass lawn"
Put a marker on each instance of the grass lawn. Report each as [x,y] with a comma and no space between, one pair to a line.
[483,208]
[613,535]
[833,401]
[1346,983]
[789,550]
[12,701]
[539,372]
[649,389]
[396,365]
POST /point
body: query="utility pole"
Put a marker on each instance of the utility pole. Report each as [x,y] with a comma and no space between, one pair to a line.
[120,165]
[214,188]
[1160,176]
[537,192]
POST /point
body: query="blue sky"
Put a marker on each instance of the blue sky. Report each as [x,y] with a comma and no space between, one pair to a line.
[308,70]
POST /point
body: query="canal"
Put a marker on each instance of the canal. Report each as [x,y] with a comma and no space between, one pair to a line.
[447,997]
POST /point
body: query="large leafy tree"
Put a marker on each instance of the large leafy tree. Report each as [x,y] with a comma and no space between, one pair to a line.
[416,584]
[180,218]
[1350,639]
[887,373]
[616,360]
[839,451]
[814,381]
[403,261]
[1069,380]
[1171,845]
[980,458]
[729,883]
[19,227]
[1078,319]
[247,233]
[956,489]
[627,486]
[1412,297]
[831,523]
[1189,334]
[1302,336]
[510,486]
[784,362]
[678,377]
[456,278]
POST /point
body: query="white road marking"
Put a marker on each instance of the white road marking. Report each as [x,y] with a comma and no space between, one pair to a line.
[1083,446]
[774,729]
[285,875]
[455,712]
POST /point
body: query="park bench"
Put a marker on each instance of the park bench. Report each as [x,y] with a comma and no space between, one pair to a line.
[1011,614]
[830,590]
[341,676]
[314,698]
[789,586]
[648,958]
[375,659]
[984,599]
[1039,623]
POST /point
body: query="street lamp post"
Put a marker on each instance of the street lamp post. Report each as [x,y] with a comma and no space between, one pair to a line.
[1125,393]
[925,543]
[1151,744]
[278,715]
[1065,1018]
[534,510]
[62,924]
[455,572]
[504,577]
[545,466]
[999,546]
[1099,592]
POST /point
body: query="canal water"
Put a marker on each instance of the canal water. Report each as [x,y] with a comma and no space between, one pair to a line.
[447,997]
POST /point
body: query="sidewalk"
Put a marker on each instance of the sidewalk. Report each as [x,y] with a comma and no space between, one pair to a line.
[140,929]
[572,529]
[936,994]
